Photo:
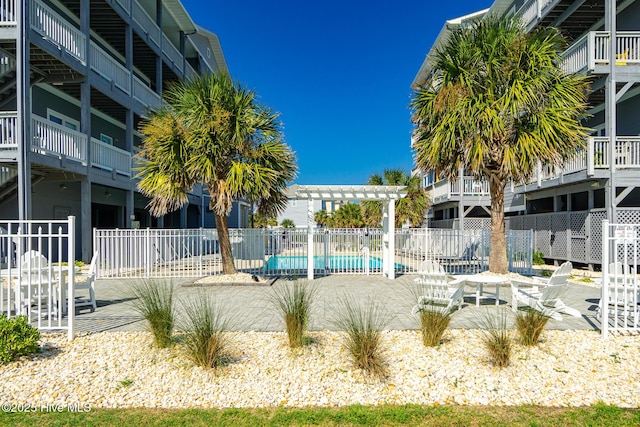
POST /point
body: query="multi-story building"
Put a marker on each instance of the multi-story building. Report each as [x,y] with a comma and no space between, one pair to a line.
[566,207]
[76,79]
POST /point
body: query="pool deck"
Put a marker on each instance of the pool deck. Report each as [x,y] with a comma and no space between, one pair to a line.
[250,307]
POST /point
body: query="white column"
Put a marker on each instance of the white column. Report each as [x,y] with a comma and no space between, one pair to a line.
[385,238]
[310,239]
[391,270]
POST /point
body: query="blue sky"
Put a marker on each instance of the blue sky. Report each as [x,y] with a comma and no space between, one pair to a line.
[338,71]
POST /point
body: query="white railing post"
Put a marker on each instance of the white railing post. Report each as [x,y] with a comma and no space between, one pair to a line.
[71,256]
[604,298]
[309,239]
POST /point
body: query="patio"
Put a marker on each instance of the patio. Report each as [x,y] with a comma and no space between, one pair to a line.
[252,310]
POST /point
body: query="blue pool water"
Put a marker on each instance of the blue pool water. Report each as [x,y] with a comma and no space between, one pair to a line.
[335,262]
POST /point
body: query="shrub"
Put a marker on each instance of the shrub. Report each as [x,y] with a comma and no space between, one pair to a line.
[204,326]
[154,302]
[546,273]
[530,323]
[17,338]
[433,324]
[538,257]
[294,300]
[497,338]
[287,223]
[363,324]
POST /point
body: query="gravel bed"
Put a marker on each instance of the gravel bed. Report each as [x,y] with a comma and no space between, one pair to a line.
[122,369]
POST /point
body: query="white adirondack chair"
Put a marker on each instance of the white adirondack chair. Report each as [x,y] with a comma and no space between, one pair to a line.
[544,296]
[36,285]
[89,285]
[436,289]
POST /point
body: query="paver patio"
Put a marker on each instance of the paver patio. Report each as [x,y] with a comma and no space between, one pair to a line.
[251,309]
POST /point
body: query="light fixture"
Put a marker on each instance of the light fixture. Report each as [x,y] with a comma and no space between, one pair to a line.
[63,187]
[107,193]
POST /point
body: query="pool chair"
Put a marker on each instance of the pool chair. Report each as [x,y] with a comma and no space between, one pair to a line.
[88,285]
[544,296]
[36,285]
[436,290]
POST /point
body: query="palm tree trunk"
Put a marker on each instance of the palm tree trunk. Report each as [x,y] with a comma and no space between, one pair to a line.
[225,245]
[498,255]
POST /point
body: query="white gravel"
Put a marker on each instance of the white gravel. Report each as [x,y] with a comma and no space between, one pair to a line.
[122,369]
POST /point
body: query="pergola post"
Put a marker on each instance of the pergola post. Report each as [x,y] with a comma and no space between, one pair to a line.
[310,239]
[391,257]
[385,238]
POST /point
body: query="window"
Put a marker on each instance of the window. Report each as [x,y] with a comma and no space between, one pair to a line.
[106,139]
[62,120]
[294,203]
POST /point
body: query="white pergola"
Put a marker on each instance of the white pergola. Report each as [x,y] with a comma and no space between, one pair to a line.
[387,194]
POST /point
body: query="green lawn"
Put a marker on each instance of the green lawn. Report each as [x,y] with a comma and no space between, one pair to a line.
[600,415]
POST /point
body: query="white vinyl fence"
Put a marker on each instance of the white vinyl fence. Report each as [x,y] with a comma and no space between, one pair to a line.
[619,308]
[37,271]
[273,252]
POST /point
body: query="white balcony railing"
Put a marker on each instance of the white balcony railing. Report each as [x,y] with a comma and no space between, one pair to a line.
[172,52]
[58,30]
[110,158]
[532,10]
[110,69]
[445,189]
[8,130]
[145,94]
[148,25]
[8,13]
[52,138]
[592,50]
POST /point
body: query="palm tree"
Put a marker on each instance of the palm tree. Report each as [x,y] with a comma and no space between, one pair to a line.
[288,223]
[321,217]
[413,207]
[214,132]
[497,104]
[348,216]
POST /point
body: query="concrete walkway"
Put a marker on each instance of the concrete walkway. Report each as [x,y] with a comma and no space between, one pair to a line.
[251,309]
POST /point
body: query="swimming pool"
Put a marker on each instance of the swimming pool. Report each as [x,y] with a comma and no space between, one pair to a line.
[332,262]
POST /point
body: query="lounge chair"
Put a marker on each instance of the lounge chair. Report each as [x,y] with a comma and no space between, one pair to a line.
[544,296]
[436,289]
[89,285]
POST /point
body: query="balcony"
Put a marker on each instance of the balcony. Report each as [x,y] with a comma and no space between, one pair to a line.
[8,130]
[590,53]
[533,10]
[57,30]
[8,13]
[50,138]
[110,158]
[69,39]
[445,190]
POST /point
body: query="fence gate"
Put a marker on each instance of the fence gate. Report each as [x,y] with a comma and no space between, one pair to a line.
[37,268]
[619,308]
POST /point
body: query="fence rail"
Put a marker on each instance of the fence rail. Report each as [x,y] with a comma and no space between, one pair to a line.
[37,270]
[618,308]
[274,252]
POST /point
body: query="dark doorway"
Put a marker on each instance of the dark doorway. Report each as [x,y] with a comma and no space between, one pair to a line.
[105,216]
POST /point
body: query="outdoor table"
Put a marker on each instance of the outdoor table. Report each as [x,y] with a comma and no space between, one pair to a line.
[480,280]
[11,276]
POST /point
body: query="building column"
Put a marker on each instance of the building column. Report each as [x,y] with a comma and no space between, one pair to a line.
[128,208]
[86,232]
[183,216]
[610,108]
[310,248]
[23,122]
